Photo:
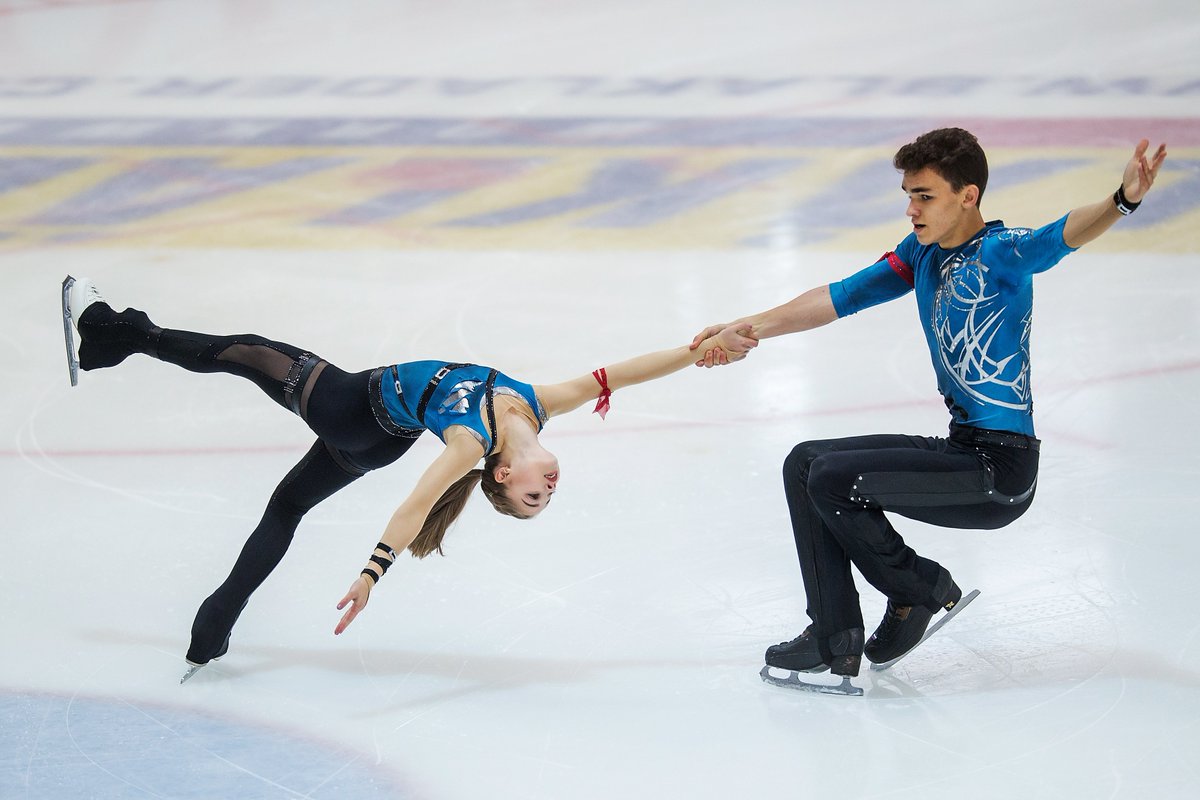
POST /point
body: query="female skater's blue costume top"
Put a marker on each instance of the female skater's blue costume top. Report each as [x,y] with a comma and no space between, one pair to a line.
[976,307]
[459,392]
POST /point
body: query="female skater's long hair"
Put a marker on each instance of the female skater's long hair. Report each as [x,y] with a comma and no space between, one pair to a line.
[452,502]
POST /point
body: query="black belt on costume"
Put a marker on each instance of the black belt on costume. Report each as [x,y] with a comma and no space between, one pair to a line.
[384,419]
[966,434]
[297,377]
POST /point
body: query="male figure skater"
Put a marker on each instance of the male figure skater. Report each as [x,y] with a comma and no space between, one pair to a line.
[973,284]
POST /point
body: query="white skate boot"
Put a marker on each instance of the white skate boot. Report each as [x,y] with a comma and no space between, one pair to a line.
[77,295]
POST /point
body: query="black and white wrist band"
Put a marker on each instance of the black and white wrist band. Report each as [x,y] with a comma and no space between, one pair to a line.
[1123,203]
[384,563]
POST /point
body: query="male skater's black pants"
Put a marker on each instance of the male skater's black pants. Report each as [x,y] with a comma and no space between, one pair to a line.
[838,490]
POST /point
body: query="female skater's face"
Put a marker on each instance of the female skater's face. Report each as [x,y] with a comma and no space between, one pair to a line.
[529,486]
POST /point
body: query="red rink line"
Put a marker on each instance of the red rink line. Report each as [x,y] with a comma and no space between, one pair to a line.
[1147,372]
[166,451]
[59,5]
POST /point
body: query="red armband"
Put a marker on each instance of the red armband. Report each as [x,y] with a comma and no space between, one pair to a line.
[898,266]
[603,402]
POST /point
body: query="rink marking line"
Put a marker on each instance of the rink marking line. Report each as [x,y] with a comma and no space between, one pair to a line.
[58,5]
[982,765]
[209,752]
[175,452]
[94,762]
[165,452]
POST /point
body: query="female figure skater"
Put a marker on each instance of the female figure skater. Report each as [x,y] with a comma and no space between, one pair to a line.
[367,420]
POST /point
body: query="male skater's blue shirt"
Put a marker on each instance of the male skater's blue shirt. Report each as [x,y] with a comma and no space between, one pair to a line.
[976,307]
[457,400]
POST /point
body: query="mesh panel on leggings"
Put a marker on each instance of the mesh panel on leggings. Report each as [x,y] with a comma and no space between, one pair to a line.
[259,357]
[288,369]
[278,369]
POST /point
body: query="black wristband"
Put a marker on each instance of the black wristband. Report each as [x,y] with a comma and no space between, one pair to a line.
[1122,202]
[374,578]
[391,553]
[383,564]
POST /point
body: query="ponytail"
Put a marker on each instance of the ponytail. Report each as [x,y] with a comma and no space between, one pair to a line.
[451,503]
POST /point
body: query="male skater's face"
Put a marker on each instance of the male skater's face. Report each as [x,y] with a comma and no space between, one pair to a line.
[939,214]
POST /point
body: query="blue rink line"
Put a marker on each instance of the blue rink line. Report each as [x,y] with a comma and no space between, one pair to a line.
[67,748]
[578,131]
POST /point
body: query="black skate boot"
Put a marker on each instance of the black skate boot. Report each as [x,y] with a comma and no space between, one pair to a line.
[211,625]
[106,338]
[841,654]
[801,654]
[903,626]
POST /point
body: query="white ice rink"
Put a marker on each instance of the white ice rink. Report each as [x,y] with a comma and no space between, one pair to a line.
[547,187]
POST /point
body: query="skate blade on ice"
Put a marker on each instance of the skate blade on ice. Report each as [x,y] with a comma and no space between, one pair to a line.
[192,670]
[792,681]
[959,606]
[68,330]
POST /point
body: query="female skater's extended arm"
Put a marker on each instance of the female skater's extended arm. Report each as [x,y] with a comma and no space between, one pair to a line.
[460,456]
[559,398]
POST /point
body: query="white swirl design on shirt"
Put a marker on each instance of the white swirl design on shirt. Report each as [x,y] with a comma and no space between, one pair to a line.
[967,321]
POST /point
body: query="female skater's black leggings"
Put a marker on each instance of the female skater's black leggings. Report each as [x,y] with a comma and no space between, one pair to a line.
[351,444]
[335,404]
[838,490]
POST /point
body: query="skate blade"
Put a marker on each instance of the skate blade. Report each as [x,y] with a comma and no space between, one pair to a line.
[959,606]
[792,681]
[192,670]
[68,330]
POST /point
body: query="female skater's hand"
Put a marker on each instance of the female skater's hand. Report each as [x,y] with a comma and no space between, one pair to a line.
[711,330]
[360,590]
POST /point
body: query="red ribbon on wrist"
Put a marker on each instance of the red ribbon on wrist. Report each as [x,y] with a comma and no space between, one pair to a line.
[604,401]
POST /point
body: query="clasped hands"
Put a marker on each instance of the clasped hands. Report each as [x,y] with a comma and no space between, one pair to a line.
[734,341]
